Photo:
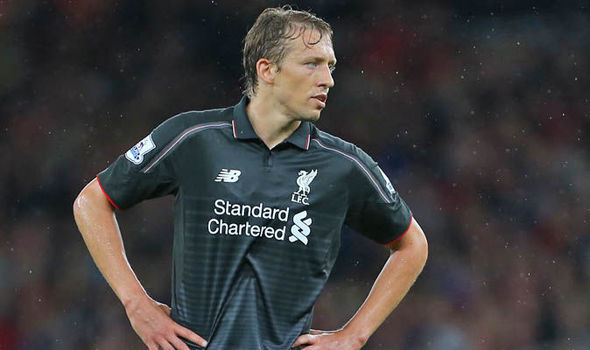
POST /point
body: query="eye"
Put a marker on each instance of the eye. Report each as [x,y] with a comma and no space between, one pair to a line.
[312,64]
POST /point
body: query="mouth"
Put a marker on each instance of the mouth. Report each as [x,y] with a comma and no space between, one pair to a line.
[321,99]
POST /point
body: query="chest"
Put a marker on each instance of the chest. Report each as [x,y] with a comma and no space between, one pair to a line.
[248,172]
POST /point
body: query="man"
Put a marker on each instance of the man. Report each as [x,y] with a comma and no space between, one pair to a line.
[261,196]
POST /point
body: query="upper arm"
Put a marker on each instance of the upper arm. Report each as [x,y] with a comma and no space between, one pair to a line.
[375,209]
[93,196]
[413,240]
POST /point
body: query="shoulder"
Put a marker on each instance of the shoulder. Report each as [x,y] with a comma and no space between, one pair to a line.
[193,121]
[362,168]
[189,119]
[339,147]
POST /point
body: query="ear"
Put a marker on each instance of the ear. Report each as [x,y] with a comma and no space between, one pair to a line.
[266,70]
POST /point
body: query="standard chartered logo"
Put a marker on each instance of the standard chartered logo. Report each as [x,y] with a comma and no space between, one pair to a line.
[222,225]
[300,229]
[246,211]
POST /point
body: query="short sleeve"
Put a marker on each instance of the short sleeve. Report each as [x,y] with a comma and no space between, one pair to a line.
[140,173]
[376,210]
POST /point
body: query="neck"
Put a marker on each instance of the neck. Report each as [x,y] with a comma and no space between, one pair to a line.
[269,120]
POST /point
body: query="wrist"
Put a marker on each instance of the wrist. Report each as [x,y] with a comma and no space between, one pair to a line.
[357,334]
[132,301]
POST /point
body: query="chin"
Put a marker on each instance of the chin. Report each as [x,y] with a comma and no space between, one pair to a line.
[311,117]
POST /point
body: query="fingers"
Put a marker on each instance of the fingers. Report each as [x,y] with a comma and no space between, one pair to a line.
[165,345]
[154,326]
[303,339]
[178,344]
[190,335]
[170,343]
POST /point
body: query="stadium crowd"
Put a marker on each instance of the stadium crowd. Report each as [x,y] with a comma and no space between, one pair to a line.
[479,114]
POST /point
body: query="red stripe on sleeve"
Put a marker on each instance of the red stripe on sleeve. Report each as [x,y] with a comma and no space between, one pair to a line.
[403,234]
[106,194]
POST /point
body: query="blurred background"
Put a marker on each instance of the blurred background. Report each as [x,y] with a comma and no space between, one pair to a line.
[478,111]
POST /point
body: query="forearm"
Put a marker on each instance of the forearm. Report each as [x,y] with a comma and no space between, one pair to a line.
[97,223]
[393,283]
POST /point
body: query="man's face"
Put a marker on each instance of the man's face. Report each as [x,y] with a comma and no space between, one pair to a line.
[302,83]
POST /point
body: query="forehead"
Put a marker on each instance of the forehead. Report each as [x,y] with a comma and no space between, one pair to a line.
[310,44]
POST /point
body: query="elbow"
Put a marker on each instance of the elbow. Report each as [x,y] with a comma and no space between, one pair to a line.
[82,200]
[422,251]
[78,202]
[79,205]
[417,246]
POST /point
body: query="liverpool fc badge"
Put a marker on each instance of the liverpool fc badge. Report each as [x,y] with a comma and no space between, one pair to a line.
[305,178]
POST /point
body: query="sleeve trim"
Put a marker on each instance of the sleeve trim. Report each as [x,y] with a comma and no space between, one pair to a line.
[106,194]
[361,166]
[403,234]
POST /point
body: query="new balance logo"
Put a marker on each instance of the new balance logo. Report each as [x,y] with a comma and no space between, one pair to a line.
[228,175]
[300,229]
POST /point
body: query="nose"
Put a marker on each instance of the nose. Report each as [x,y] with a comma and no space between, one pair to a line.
[326,77]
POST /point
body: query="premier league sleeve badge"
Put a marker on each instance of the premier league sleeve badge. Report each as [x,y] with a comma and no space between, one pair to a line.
[136,153]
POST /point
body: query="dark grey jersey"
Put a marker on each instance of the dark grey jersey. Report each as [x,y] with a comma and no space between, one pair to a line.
[256,231]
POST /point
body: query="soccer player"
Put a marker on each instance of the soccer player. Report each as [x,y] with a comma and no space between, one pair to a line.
[261,197]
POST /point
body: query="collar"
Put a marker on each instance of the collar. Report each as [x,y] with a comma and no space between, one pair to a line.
[242,128]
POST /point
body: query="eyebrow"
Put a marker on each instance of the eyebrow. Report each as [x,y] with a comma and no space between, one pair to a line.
[320,59]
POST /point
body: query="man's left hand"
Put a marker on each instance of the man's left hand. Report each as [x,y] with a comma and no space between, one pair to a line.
[328,340]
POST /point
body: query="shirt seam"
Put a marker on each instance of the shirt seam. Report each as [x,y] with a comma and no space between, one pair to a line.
[180,138]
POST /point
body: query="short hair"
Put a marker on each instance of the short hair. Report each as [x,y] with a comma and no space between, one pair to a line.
[268,38]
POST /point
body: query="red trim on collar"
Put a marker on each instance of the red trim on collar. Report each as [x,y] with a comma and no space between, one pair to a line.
[233,124]
[307,143]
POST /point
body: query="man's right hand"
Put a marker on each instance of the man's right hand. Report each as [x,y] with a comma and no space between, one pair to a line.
[151,321]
